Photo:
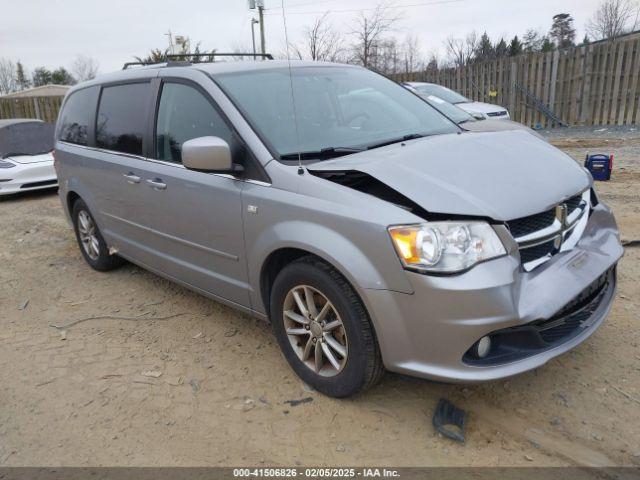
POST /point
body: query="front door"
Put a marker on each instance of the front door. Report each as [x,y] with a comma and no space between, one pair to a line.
[188,223]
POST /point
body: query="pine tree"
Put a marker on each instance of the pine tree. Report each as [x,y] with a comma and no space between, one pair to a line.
[515,47]
[485,49]
[562,30]
[547,45]
[41,76]
[21,78]
[502,49]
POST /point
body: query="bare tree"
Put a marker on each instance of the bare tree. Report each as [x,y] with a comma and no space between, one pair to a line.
[433,62]
[461,52]
[532,40]
[8,78]
[368,30]
[386,56]
[413,60]
[612,19]
[84,68]
[321,42]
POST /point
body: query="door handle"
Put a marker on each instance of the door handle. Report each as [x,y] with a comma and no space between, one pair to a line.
[131,177]
[157,184]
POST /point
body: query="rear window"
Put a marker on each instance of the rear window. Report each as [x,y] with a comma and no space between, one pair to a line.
[122,117]
[77,115]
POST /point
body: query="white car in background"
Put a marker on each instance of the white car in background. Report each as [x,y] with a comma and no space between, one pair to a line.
[477,109]
[26,159]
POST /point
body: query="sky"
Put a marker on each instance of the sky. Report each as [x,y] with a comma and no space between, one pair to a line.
[52,33]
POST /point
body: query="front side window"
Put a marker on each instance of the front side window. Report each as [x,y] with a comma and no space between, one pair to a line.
[77,115]
[122,118]
[183,114]
[335,107]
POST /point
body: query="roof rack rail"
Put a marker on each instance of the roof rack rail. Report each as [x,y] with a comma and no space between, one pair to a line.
[173,60]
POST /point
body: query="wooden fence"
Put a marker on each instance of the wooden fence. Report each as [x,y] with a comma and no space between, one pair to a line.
[43,108]
[597,84]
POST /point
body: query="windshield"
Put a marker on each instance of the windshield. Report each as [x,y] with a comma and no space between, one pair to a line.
[454,113]
[441,92]
[336,108]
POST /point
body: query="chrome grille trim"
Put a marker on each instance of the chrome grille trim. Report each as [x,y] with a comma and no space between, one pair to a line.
[566,232]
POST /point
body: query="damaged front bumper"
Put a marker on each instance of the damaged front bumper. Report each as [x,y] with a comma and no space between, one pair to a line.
[531,317]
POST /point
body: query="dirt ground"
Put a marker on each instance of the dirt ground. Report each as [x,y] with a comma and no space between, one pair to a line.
[221,398]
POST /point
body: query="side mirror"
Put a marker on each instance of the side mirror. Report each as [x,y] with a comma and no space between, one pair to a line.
[209,154]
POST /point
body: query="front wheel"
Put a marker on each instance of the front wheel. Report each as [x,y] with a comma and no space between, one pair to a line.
[323,329]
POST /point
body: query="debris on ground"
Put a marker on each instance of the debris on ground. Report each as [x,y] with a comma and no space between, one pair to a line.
[195,386]
[450,420]
[245,406]
[175,382]
[196,336]
[231,333]
[151,373]
[295,403]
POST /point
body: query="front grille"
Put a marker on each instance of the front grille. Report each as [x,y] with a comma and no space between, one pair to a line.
[572,316]
[534,253]
[532,224]
[497,114]
[526,225]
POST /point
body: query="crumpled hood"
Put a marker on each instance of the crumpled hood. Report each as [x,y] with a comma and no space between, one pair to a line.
[480,107]
[501,175]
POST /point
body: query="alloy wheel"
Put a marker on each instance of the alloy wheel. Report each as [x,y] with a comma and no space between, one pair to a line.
[315,330]
[88,235]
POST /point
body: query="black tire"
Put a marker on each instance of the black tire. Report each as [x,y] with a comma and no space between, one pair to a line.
[103,261]
[363,367]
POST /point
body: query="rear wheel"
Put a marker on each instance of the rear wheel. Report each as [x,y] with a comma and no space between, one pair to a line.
[323,329]
[92,245]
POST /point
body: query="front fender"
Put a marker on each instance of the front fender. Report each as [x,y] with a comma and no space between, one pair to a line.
[353,261]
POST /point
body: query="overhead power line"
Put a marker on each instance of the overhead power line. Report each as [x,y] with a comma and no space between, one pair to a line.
[392,7]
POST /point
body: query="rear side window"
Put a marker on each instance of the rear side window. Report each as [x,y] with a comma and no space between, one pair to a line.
[185,113]
[77,115]
[122,116]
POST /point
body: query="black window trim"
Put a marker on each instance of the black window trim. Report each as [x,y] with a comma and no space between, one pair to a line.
[145,140]
[157,92]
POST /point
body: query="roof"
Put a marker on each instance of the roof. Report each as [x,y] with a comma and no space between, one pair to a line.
[15,121]
[43,91]
[212,68]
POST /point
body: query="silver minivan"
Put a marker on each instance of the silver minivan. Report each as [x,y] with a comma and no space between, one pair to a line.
[368,228]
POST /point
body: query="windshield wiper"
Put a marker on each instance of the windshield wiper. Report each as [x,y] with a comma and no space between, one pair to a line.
[322,154]
[411,136]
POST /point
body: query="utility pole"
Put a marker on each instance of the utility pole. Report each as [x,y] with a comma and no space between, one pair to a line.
[261,17]
[253,36]
[260,4]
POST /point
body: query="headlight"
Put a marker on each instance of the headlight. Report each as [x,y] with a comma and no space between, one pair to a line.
[5,164]
[445,247]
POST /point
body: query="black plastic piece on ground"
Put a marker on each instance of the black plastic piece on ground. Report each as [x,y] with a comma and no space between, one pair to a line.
[446,416]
